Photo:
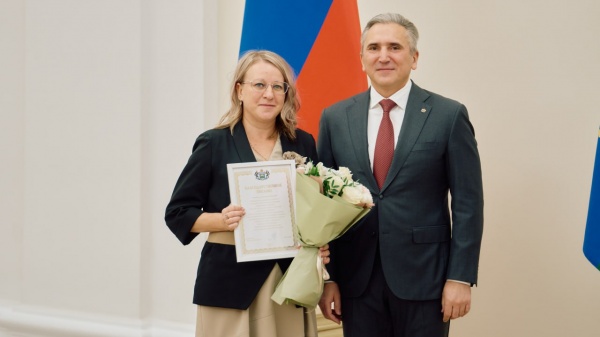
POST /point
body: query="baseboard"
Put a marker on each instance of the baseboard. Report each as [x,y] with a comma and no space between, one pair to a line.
[21,321]
[42,322]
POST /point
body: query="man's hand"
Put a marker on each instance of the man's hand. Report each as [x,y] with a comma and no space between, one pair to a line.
[456,300]
[331,294]
[324,253]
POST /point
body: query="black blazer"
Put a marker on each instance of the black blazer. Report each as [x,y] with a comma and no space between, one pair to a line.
[421,242]
[203,187]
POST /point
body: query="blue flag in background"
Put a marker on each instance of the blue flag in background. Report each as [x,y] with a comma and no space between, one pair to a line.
[591,242]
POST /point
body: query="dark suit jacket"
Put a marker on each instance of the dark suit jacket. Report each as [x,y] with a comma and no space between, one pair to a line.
[203,187]
[421,243]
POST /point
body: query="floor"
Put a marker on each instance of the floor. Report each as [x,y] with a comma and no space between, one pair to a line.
[328,328]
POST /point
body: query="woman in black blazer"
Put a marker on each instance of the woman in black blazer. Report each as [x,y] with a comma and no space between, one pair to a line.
[234,298]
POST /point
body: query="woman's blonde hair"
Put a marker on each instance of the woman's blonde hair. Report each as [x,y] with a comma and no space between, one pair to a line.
[286,121]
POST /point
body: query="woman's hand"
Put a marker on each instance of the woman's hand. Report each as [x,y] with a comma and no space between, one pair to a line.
[324,253]
[232,215]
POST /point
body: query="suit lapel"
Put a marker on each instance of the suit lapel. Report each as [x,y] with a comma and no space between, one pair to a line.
[357,124]
[242,145]
[287,145]
[415,116]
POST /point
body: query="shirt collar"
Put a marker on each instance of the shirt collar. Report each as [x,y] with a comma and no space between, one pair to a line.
[400,97]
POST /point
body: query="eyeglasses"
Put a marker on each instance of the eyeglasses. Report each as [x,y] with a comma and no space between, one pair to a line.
[261,86]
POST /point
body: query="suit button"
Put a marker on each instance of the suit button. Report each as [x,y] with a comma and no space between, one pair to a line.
[373,233]
[380,196]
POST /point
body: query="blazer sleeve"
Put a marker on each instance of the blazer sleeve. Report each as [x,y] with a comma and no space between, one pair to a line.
[466,188]
[311,149]
[190,194]
[304,145]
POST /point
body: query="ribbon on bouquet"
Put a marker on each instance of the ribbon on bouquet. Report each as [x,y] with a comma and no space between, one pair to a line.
[323,274]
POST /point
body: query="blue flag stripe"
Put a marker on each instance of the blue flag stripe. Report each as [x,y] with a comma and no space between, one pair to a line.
[288,28]
[591,243]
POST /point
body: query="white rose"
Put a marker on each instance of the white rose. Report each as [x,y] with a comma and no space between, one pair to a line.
[352,195]
[345,173]
[323,171]
[308,167]
[366,197]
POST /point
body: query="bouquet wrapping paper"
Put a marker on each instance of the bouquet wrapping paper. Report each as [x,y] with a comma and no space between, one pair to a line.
[319,220]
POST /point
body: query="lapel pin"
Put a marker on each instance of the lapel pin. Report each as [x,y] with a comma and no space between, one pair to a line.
[423,110]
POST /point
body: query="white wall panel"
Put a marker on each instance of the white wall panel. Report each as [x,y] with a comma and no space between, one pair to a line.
[12,135]
[175,96]
[81,246]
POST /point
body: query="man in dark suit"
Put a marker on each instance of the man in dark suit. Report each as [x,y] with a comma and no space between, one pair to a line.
[408,267]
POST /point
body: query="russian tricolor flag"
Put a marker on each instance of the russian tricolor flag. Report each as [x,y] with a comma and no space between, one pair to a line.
[591,242]
[320,39]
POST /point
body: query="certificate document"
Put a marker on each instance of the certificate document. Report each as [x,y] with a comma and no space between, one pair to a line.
[266,190]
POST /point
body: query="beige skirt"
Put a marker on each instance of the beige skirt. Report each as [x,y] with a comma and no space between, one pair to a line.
[264,318]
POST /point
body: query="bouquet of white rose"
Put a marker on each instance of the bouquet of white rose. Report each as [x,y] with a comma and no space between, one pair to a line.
[328,203]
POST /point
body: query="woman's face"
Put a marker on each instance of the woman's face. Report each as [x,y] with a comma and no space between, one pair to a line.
[261,93]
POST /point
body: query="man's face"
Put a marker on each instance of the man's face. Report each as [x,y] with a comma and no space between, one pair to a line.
[386,57]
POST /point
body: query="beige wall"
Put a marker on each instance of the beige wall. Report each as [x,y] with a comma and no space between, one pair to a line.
[100,102]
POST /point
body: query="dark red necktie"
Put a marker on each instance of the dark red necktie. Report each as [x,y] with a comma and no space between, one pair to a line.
[384,145]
